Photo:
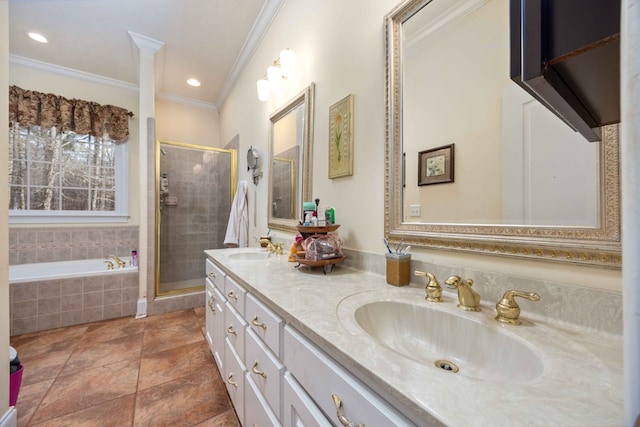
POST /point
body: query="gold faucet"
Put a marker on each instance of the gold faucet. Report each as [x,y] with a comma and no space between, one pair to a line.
[509,310]
[469,300]
[433,289]
[121,263]
[109,264]
[273,248]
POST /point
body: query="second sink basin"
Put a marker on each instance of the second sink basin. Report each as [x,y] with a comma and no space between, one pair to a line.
[449,341]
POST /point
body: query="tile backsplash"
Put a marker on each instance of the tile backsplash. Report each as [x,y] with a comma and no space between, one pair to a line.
[50,244]
[596,309]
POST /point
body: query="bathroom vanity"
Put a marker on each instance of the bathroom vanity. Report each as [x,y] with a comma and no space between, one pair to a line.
[297,347]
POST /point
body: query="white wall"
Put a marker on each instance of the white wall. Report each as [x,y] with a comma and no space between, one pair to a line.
[340,47]
[69,86]
[4,213]
[187,124]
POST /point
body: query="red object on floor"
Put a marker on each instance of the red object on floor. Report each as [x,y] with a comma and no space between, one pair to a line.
[15,380]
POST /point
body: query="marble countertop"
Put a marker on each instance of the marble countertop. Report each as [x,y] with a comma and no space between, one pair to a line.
[580,384]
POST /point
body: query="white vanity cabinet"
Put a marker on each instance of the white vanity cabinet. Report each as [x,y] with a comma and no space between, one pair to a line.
[324,380]
[277,377]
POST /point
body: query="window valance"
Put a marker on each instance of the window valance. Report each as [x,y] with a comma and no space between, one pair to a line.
[31,108]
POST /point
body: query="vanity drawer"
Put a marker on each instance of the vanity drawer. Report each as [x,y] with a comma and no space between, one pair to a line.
[299,409]
[233,377]
[234,329]
[266,324]
[215,274]
[235,294]
[322,377]
[264,369]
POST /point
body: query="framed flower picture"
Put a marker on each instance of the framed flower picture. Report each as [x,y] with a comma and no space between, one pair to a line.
[436,166]
[341,138]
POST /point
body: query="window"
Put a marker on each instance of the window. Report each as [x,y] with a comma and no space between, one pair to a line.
[66,177]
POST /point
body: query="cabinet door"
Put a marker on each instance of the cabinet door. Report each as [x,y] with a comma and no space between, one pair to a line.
[233,377]
[299,409]
[218,333]
[264,369]
[258,413]
[325,381]
[210,312]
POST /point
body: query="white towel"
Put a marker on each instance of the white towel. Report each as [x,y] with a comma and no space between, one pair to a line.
[238,227]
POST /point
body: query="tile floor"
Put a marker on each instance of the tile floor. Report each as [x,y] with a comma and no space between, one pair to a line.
[156,371]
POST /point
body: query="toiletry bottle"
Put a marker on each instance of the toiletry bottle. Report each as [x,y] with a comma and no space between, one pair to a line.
[134,258]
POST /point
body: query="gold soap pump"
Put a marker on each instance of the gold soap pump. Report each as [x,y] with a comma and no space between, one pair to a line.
[433,289]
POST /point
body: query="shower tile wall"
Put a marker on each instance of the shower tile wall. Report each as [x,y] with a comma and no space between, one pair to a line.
[199,182]
[49,244]
[281,182]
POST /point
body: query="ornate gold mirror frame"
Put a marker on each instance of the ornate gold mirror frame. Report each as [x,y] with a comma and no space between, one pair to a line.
[596,246]
[306,98]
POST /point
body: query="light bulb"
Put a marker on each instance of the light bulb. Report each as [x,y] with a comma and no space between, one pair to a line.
[287,62]
[264,90]
[274,75]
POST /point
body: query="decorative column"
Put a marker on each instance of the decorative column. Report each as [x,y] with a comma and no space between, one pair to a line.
[147,49]
[630,182]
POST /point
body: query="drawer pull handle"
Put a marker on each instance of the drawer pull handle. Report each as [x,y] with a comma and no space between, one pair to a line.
[339,412]
[231,331]
[232,295]
[212,300]
[231,381]
[212,275]
[256,371]
[255,322]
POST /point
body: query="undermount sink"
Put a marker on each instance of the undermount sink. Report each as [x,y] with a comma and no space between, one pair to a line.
[249,256]
[449,341]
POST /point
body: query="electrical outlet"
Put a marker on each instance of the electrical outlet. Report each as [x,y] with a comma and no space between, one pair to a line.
[414,210]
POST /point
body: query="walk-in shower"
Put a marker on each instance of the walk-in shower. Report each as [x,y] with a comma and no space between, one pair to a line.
[195,186]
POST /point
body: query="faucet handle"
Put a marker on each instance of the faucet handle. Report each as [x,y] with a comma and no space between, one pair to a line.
[509,310]
[433,289]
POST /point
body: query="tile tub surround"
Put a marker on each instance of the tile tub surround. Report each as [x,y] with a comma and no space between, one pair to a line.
[49,244]
[48,304]
[581,383]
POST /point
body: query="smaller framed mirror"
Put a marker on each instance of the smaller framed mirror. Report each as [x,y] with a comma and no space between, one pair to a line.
[252,158]
[290,154]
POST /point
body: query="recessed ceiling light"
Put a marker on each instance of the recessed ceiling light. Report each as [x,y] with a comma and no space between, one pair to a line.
[37,37]
[193,82]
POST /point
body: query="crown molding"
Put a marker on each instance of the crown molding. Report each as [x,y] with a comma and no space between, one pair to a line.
[261,25]
[189,102]
[71,73]
[145,43]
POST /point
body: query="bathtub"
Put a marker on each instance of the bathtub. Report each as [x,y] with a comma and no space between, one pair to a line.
[22,273]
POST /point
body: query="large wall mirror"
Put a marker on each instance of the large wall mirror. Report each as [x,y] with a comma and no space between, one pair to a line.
[290,151]
[525,184]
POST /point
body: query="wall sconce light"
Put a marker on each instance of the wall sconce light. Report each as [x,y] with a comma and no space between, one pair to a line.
[282,68]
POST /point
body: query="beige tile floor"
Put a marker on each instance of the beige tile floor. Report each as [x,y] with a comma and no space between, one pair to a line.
[156,371]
